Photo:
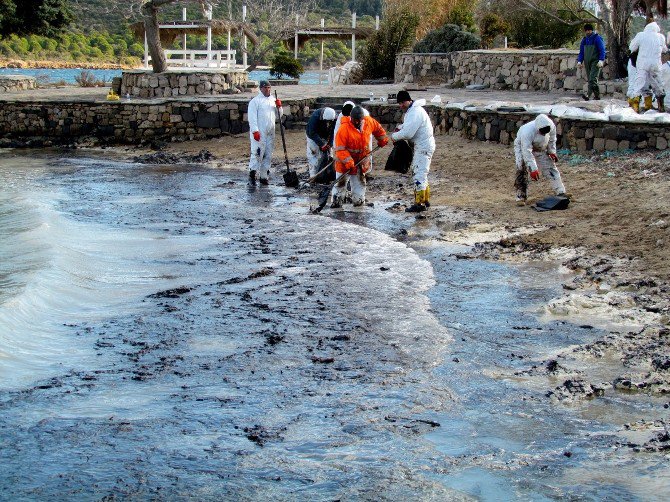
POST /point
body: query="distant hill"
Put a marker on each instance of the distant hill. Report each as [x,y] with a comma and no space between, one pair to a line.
[112,16]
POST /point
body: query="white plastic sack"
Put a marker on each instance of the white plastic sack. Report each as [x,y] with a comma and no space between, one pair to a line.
[436,99]
[456,106]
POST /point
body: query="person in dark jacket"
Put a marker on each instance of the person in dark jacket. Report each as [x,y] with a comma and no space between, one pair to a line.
[592,56]
[320,128]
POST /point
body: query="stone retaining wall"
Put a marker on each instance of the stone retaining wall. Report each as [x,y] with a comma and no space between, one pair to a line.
[176,83]
[10,83]
[133,122]
[572,134]
[119,122]
[501,69]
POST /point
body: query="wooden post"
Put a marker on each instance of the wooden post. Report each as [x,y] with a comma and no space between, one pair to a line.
[295,41]
[377,22]
[146,51]
[353,37]
[230,18]
[183,38]
[208,14]
[323,24]
[244,52]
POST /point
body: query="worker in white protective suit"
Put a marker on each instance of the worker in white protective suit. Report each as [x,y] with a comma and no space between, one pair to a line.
[262,113]
[346,111]
[417,129]
[649,44]
[535,152]
[665,75]
[319,132]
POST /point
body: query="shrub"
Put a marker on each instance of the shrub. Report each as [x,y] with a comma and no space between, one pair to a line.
[490,26]
[396,33]
[462,15]
[449,38]
[87,79]
[284,64]
[532,28]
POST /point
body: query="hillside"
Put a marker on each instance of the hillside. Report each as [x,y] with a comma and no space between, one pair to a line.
[103,15]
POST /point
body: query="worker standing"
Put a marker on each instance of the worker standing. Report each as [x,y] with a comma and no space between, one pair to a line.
[320,132]
[535,152]
[418,129]
[262,113]
[649,44]
[592,56]
[346,111]
[353,140]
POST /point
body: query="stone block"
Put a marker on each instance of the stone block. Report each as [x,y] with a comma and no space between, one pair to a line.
[207,120]
[599,144]
[611,145]
[661,143]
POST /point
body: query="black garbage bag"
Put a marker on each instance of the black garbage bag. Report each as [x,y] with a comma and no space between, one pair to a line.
[400,157]
[552,203]
[328,175]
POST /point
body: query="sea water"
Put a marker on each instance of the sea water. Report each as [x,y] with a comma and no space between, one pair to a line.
[171,332]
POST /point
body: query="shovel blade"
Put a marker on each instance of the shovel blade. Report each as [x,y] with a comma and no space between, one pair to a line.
[291,179]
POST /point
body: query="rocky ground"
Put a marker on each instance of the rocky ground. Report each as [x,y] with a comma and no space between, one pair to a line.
[613,238]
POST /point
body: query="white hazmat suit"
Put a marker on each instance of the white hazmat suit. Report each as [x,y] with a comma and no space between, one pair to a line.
[650,44]
[418,129]
[262,113]
[632,75]
[532,151]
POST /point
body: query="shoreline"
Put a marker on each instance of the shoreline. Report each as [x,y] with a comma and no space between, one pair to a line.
[61,65]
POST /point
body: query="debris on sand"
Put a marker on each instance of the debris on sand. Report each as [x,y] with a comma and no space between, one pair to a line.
[261,435]
[647,436]
[575,389]
[171,158]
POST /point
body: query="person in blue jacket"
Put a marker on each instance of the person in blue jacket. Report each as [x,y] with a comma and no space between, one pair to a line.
[319,134]
[592,56]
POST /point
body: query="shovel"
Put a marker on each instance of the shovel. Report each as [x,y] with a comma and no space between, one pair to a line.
[325,193]
[290,177]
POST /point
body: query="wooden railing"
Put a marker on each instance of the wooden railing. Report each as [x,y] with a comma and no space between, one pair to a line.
[197,58]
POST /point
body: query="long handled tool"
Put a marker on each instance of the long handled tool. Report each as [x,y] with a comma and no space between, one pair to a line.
[290,177]
[325,193]
[311,180]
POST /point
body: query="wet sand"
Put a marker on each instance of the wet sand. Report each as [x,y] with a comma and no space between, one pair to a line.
[613,240]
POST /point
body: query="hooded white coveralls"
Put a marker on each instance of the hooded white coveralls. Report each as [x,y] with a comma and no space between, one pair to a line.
[417,128]
[532,150]
[650,44]
[262,113]
[632,75]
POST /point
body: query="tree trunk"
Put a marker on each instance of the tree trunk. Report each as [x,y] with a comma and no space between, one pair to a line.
[158,61]
[617,28]
[617,54]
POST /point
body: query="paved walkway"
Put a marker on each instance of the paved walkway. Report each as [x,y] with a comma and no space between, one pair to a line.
[71,94]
